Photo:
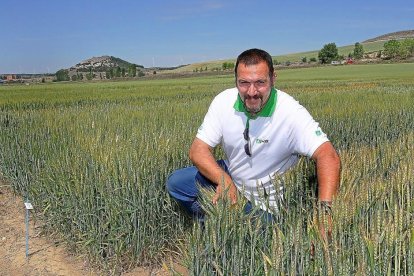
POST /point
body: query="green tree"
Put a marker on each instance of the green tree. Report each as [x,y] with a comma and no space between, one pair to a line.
[74,77]
[407,48]
[111,73]
[123,72]
[140,73]
[358,51]
[90,76]
[224,66]
[118,72]
[62,75]
[312,59]
[392,49]
[132,70]
[328,53]
[304,59]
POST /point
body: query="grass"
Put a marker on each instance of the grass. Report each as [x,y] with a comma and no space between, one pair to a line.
[93,159]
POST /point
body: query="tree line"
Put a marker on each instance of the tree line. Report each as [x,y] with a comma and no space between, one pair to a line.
[399,49]
[393,49]
[109,73]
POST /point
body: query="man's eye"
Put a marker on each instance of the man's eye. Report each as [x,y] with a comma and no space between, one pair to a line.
[260,83]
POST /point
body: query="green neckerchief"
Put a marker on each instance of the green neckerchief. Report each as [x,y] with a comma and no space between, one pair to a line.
[266,111]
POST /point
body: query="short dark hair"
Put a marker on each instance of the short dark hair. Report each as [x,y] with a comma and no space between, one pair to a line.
[253,57]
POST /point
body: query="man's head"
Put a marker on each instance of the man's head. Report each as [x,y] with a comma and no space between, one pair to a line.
[254,78]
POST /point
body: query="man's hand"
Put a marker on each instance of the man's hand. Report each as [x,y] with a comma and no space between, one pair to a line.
[226,191]
[325,221]
[202,157]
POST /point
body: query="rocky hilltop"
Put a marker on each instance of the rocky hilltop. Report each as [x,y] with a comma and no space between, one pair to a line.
[389,36]
[99,68]
[95,62]
[102,64]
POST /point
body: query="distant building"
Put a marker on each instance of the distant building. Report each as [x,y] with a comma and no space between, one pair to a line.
[10,77]
[349,61]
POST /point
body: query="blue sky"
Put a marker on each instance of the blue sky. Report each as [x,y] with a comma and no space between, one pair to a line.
[46,35]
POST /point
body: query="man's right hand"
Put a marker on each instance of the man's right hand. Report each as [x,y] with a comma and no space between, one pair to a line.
[226,191]
[202,157]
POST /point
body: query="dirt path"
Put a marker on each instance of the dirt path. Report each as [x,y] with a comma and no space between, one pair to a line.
[46,257]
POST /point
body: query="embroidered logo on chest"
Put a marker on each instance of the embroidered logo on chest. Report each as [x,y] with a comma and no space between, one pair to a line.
[261,141]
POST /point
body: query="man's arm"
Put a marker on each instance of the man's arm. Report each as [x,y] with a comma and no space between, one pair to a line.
[202,157]
[328,166]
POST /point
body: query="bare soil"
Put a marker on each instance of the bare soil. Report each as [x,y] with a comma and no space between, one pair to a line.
[47,256]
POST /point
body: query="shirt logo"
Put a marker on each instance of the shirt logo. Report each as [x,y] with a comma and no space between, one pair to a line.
[318,131]
[261,141]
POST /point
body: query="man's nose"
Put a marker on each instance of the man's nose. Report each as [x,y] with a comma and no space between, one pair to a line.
[252,90]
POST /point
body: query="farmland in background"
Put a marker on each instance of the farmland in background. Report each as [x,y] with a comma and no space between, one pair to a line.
[294,57]
[93,159]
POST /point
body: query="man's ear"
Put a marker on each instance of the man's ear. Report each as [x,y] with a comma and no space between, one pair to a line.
[274,77]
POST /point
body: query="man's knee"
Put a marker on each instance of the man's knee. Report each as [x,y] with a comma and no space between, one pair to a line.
[181,181]
[172,182]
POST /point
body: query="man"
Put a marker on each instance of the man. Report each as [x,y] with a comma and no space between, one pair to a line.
[263,132]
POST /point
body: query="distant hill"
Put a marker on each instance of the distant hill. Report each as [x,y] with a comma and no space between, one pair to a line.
[109,66]
[372,45]
[389,36]
[100,68]
[102,64]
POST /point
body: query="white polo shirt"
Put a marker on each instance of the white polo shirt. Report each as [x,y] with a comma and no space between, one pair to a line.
[280,133]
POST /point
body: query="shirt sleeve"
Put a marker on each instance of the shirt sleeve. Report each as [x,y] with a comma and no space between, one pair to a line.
[210,130]
[308,136]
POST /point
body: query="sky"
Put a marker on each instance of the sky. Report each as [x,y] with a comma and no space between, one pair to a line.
[44,36]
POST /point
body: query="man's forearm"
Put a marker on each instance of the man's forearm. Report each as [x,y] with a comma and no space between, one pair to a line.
[328,178]
[328,168]
[203,159]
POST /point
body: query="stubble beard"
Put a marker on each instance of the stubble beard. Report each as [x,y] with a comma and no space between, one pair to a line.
[255,109]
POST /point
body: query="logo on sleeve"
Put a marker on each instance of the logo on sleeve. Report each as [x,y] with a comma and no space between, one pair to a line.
[318,131]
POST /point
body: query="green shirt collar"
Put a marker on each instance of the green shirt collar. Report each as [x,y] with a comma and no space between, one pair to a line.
[267,110]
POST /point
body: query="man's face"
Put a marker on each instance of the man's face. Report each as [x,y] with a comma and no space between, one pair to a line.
[254,85]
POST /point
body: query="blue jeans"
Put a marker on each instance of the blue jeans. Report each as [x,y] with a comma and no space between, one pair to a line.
[182,185]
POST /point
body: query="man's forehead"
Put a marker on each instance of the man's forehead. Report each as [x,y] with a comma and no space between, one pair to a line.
[262,67]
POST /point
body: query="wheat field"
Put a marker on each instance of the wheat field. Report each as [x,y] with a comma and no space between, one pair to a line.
[93,159]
